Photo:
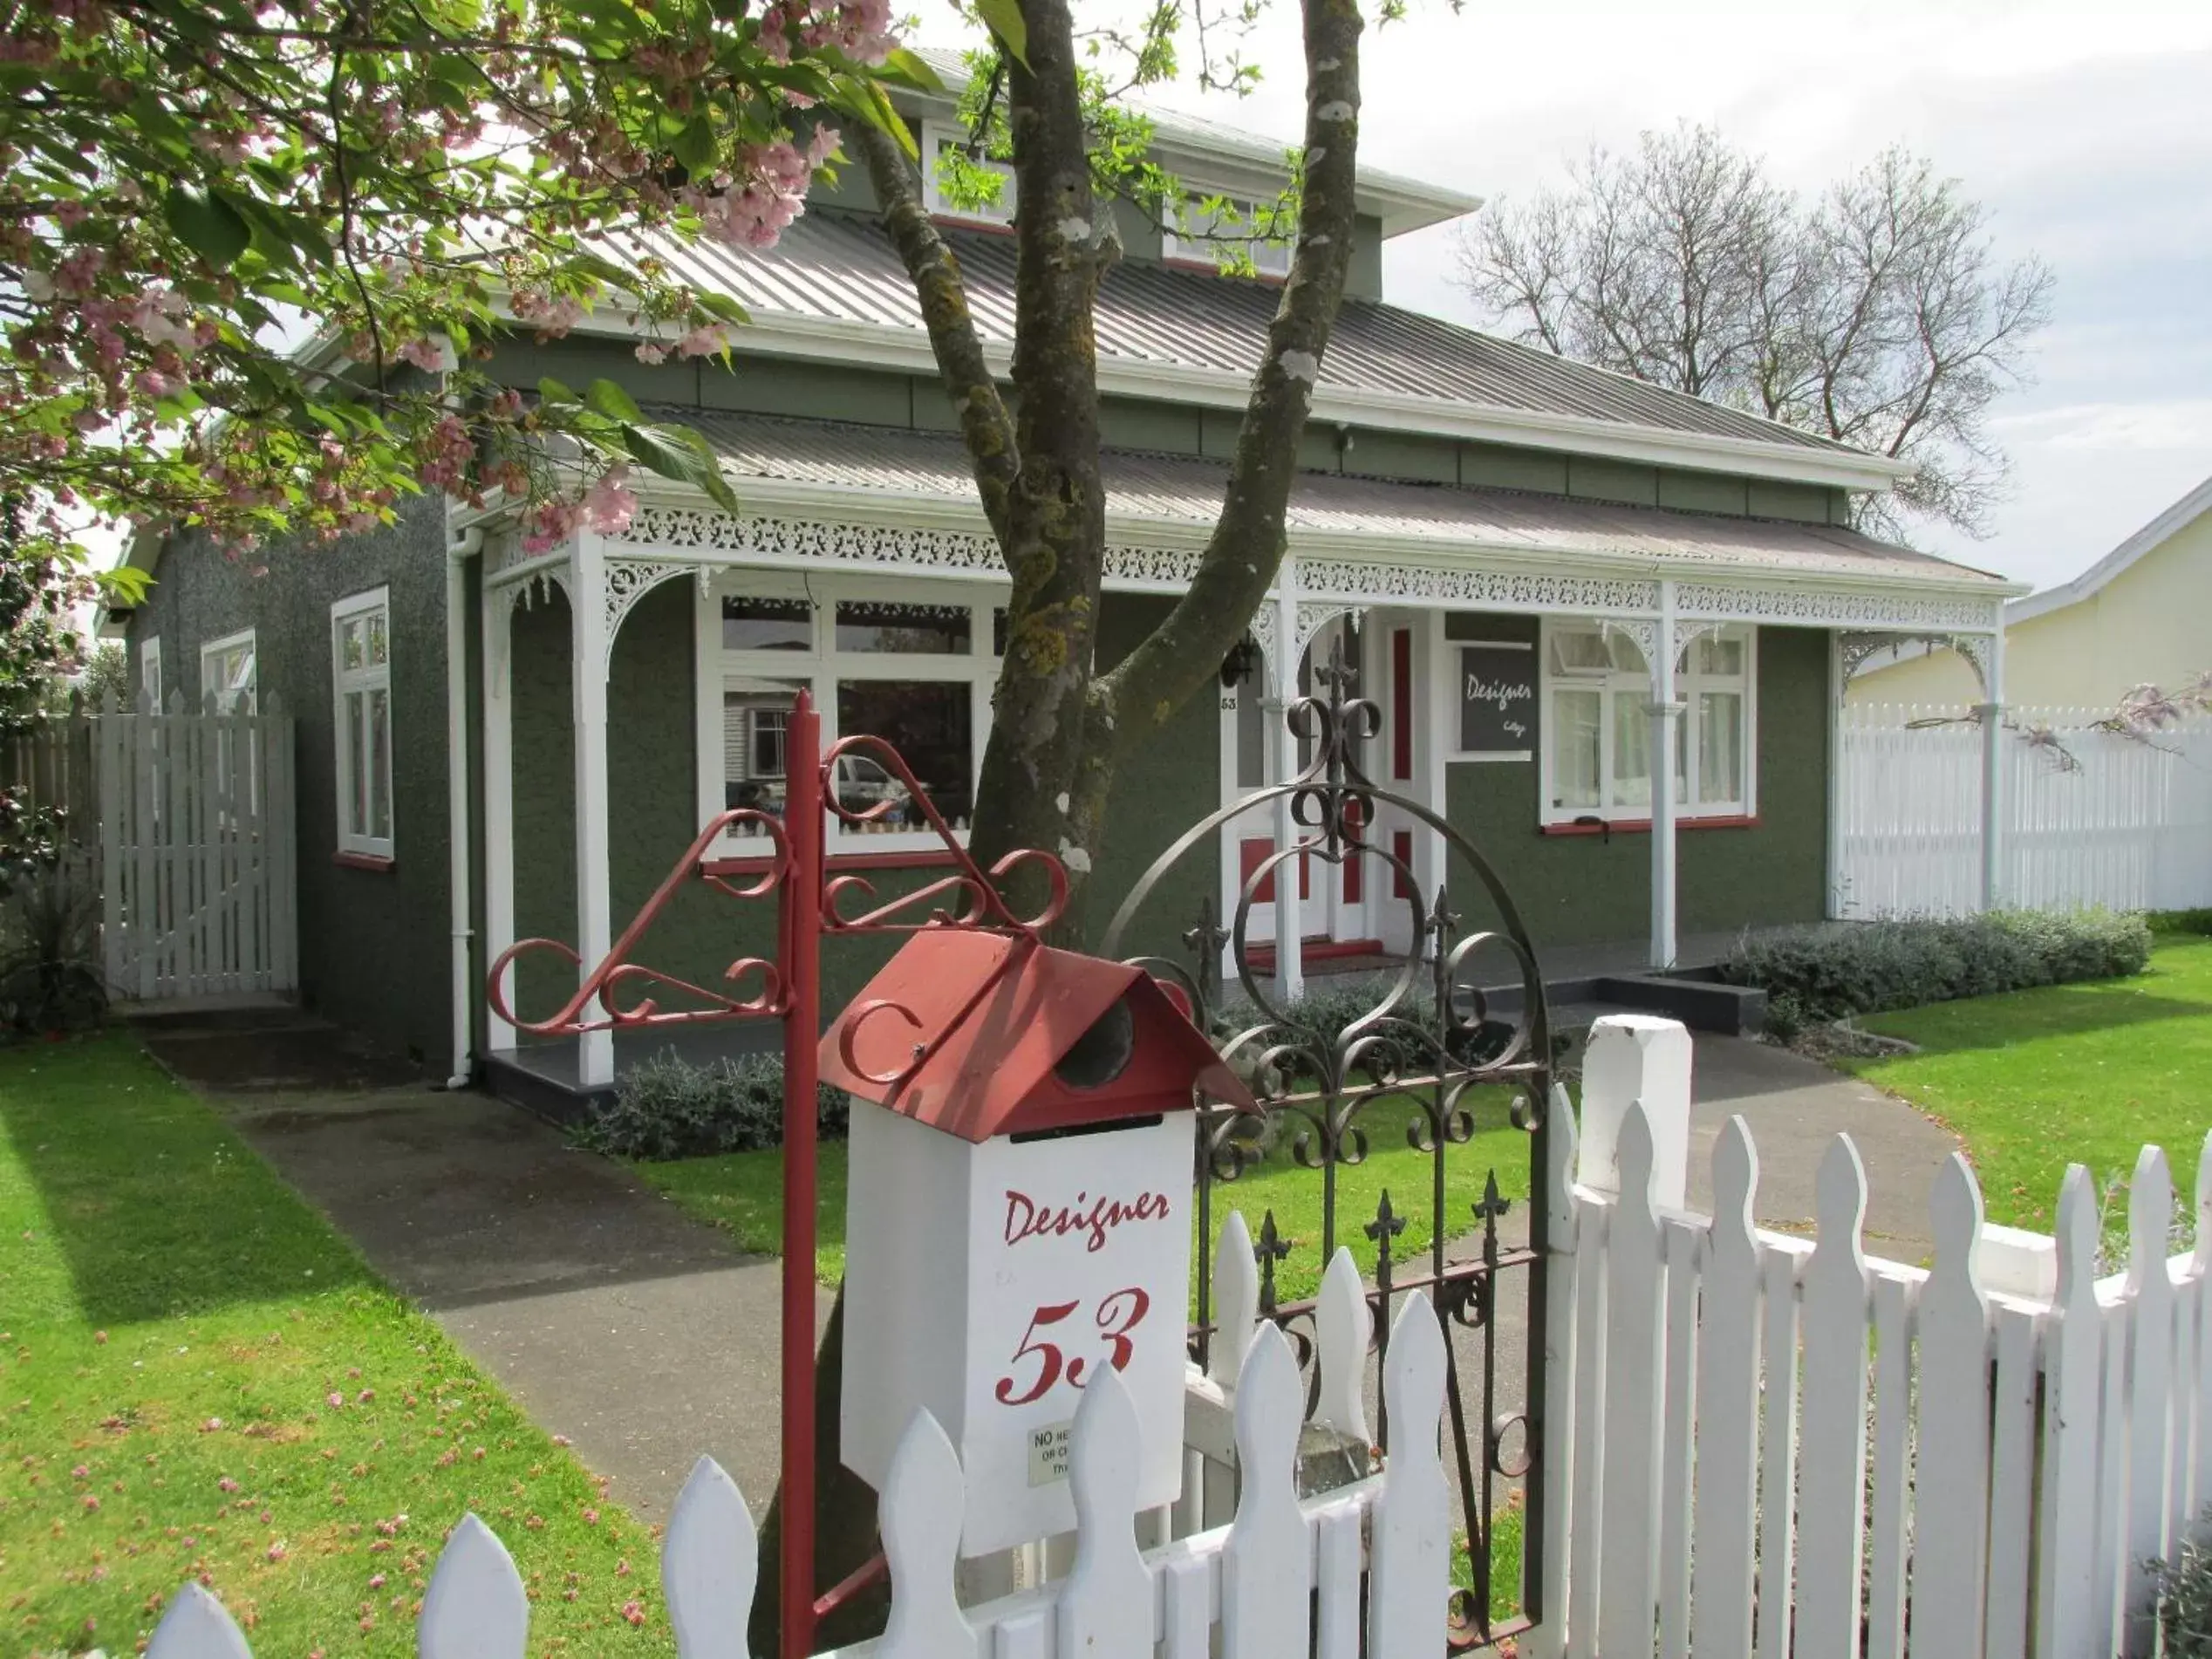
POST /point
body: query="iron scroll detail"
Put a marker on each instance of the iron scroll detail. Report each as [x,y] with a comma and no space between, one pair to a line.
[1427,1043]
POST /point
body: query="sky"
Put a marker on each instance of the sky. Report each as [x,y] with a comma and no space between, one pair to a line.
[2084,128]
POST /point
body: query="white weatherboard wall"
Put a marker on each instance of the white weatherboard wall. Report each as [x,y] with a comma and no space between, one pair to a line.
[1778,1446]
[1364,1569]
[2127,826]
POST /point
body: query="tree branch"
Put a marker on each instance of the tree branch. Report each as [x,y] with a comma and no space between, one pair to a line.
[1247,544]
[985,428]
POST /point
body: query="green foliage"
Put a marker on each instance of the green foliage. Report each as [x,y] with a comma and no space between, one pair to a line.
[2185,1595]
[186,184]
[2167,922]
[1845,969]
[50,972]
[668,1109]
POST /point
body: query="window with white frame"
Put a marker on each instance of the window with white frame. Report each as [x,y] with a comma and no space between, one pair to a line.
[946,147]
[361,671]
[1597,724]
[228,671]
[149,664]
[911,663]
[1207,224]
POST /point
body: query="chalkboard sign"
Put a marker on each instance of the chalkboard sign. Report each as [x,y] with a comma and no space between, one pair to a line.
[1498,699]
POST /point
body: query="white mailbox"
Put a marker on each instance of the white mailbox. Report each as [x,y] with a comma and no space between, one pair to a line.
[1018,1213]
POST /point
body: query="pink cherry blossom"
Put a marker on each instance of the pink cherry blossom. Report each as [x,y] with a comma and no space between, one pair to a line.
[609,503]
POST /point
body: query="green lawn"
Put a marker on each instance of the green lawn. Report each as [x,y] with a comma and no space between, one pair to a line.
[2082,1074]
[742,1193]
[203,1379]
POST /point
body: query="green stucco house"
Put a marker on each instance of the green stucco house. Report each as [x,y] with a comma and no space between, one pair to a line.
[494,745]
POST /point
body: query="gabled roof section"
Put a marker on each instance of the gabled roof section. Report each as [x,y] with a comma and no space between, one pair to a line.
[834,289]
[878,471]
[2160,530]
[1194,144]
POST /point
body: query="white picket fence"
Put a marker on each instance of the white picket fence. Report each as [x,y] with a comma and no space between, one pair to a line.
[2037,1435]
[198,872]
[2128,827]
[1362,1569]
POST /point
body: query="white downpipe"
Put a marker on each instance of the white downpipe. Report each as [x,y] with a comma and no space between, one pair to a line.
[467,545]
[1993,781]
[1665,711]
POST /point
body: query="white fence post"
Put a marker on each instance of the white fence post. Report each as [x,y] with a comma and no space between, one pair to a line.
[1831,1484]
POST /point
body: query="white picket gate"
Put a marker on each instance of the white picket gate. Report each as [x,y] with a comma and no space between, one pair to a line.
[198,872]
[2037,1436]
[2128,825]
[1361,1569]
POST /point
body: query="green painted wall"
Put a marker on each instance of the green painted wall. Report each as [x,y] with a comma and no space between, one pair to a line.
[1576,889]
[372,944]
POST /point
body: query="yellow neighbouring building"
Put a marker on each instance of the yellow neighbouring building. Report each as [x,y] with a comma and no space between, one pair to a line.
[2142,614]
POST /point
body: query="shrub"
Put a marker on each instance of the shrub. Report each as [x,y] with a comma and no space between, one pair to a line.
[2185,1597]
[50,973]
[1843,968]
[668,1108]
[2180,921]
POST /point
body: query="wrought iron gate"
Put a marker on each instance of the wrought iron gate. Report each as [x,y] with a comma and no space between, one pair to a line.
[1423,1049]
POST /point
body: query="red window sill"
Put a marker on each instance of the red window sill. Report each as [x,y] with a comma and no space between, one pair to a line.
[913,858]
[364,861]
[1643,826]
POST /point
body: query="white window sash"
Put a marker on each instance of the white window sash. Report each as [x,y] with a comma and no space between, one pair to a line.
[822,666]
[1268,258]
[936,135]
[362,783]
[1623,695]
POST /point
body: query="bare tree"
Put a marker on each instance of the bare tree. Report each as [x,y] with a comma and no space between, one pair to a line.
[1878,313]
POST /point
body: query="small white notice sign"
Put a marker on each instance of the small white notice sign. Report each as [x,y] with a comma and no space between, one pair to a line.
[1049,1452]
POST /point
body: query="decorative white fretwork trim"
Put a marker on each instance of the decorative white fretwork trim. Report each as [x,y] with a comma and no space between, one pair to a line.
[1356,580]
[1644,630]
[1263,630]
[691,535]
[1855,651]
[1313,614]
[1816,607]
[628,580]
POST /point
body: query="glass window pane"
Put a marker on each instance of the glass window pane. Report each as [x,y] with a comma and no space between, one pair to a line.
[755,720]
[1717,654]
[1631,751]
[767,625]
[1579,648]
[925,629]
[1720,746]
[350,643]
[1574,748]
[998,630]
[1626,654]
[379,651]
[357,753]
[927,721]
[380,764]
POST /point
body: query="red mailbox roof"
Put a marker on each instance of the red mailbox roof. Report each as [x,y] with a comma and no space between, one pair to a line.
[994,1016]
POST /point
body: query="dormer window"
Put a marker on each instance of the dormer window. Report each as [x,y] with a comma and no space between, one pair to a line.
[946,146]
[1209,225]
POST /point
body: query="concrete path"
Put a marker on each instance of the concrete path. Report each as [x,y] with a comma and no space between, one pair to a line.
[610,1316]
[644,1338]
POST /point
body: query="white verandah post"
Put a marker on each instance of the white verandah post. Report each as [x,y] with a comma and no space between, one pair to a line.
[588,681]
[497,622]
[1665,713]
[1290,966]
[1993,778]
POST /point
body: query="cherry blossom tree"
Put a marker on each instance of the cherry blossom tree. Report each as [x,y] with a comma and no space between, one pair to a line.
[253,252]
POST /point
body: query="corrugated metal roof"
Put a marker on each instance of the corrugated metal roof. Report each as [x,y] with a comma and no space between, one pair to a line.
[1151,486]
[839,266]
